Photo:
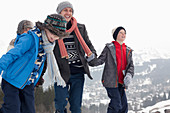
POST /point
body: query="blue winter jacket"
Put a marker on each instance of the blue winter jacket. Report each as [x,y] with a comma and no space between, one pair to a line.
[18,63]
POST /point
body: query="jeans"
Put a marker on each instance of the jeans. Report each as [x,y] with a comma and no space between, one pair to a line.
[17,100]
[118,100]
[73,91]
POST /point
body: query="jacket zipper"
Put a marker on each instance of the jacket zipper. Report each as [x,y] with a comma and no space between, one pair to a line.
[117,77]
[20,68]
[128,57]
[129,53]
[25,82]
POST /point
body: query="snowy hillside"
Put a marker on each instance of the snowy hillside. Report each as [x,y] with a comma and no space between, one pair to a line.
[145,55]
[161,106]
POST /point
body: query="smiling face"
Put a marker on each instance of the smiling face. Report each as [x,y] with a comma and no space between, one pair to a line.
[121,36]
[51,37]
[67,13]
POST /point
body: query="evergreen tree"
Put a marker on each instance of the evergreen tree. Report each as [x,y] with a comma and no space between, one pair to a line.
[169,95]
[130,107]
[154,100]
[93,109]
[164,96]
[102,108]
[44,101]
[85,109]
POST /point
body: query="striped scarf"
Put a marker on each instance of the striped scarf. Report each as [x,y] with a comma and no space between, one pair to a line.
[79,37]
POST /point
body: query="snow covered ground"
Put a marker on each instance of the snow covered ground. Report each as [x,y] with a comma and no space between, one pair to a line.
[161,106]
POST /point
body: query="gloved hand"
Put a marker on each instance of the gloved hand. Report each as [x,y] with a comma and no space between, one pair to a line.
[90,58]
[127,80]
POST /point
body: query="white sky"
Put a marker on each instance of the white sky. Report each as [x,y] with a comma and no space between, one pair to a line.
[146,21]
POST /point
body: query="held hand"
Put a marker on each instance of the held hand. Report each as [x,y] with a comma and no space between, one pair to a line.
[127,80]
[90,58]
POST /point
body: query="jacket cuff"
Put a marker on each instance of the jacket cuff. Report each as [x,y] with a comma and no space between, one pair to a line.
[91,57]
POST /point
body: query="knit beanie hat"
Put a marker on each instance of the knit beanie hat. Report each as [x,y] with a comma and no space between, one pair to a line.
[63,5]
[55,23]
[23,25]
[115,32]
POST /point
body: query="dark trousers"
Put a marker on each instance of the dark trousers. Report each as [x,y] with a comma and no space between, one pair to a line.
[118,100]
[73,92]
[17,100]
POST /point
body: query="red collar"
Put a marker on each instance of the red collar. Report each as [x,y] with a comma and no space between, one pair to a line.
[117,43]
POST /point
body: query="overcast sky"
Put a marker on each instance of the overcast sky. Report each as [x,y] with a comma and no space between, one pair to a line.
[146,21]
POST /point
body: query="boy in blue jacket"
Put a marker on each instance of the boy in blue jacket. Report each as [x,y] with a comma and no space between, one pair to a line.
[22,65]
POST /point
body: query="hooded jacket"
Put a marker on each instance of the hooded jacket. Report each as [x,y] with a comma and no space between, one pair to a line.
[18,63]
[110,74]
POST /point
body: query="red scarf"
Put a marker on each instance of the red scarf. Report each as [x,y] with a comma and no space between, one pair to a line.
[79,37]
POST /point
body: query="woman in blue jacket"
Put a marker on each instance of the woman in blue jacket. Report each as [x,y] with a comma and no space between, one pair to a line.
[22,65]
